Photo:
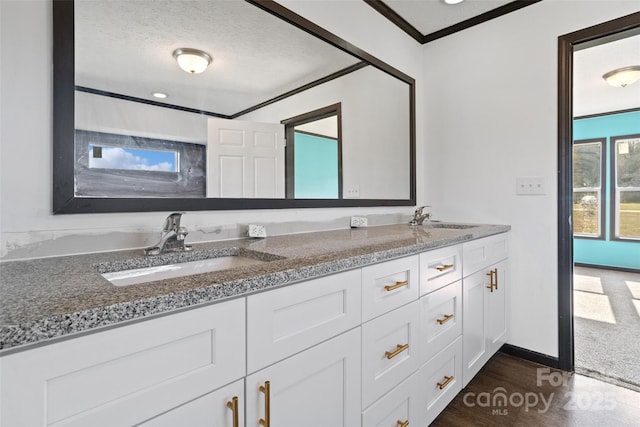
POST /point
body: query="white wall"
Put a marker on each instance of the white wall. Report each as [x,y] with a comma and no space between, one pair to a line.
[27,227]
[490,111]
[375,156]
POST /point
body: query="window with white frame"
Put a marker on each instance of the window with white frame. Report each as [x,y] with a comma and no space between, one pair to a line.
[625,206]
[588,188]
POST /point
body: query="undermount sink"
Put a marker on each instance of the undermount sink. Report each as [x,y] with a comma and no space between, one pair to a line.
[448,225]
[171,271]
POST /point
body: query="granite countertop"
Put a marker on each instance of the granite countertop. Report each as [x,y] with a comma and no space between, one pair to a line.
[44,300]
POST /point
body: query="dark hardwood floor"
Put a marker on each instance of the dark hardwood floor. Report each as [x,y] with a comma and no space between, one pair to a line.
[510,391]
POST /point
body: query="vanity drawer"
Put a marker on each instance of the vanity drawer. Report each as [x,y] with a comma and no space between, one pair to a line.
[389,285]
[440,319]
[441,379]
[126,375]
[402,404]
[390,351]
[439,268]
[481,253]
[284,321]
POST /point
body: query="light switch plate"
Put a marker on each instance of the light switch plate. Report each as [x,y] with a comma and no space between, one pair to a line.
[530,186]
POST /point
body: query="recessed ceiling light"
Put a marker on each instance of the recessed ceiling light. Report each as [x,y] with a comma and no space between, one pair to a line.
[159,95]
[453,1]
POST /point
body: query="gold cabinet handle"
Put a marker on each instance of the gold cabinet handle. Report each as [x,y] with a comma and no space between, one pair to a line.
[399,349]
[444,267]
[446,382]
[233,405]
[397,285]
[266,389]
[491,284]
[402,423]
[493,278]
[447,317]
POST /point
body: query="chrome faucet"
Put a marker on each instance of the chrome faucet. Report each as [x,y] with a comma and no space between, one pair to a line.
[171,238]
[419,217]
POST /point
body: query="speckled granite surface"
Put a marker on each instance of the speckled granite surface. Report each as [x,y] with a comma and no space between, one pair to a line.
[46,299]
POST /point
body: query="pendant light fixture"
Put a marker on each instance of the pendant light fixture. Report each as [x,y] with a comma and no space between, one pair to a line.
[193,61]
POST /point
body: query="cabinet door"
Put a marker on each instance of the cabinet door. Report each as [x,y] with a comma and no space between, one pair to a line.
[318,387]
[125,375]
[285,321]
[475,296]
[497,312]
[484,306]
[390,351]
[221,408]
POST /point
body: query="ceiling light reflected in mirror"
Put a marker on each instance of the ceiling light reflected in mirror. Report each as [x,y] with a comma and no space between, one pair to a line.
[192,61]
[623,77]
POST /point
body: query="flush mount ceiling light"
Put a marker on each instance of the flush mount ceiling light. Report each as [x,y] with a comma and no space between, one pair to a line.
[192,61]
[623,76]
[159,95]
[453,1]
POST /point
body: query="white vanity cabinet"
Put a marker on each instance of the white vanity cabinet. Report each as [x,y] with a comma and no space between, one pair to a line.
[131,374]
[388,344]
[484,299]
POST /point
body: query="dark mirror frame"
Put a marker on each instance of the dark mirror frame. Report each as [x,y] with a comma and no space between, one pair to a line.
[64,200]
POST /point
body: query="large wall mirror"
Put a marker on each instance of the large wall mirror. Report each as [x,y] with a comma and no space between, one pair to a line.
[280,114]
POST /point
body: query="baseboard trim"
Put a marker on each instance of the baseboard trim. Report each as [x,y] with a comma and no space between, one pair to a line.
[608,267]
[532,356]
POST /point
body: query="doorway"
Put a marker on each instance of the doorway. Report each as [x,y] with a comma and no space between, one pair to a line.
[567,45]
[313,154]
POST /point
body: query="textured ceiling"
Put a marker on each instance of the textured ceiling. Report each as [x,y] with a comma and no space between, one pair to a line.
[591,94]
[126,47]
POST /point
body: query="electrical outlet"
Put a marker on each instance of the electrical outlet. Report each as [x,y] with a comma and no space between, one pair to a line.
[351,192]
[530,186]
[257,231]
[358,221]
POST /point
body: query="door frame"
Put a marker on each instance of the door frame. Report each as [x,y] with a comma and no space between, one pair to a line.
[588,37]
[289,129]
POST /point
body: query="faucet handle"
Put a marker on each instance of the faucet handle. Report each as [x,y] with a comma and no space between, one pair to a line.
[419,210]
[172,223]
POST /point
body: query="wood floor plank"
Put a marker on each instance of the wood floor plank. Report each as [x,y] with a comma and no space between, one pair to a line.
[510,391]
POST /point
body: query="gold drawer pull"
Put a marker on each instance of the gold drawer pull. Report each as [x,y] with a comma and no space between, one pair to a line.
[233,405]
[266,389]
[397,285]
[399,349]
[446,382]
[447,317]
[444,267]
[403,424]
[495,273]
